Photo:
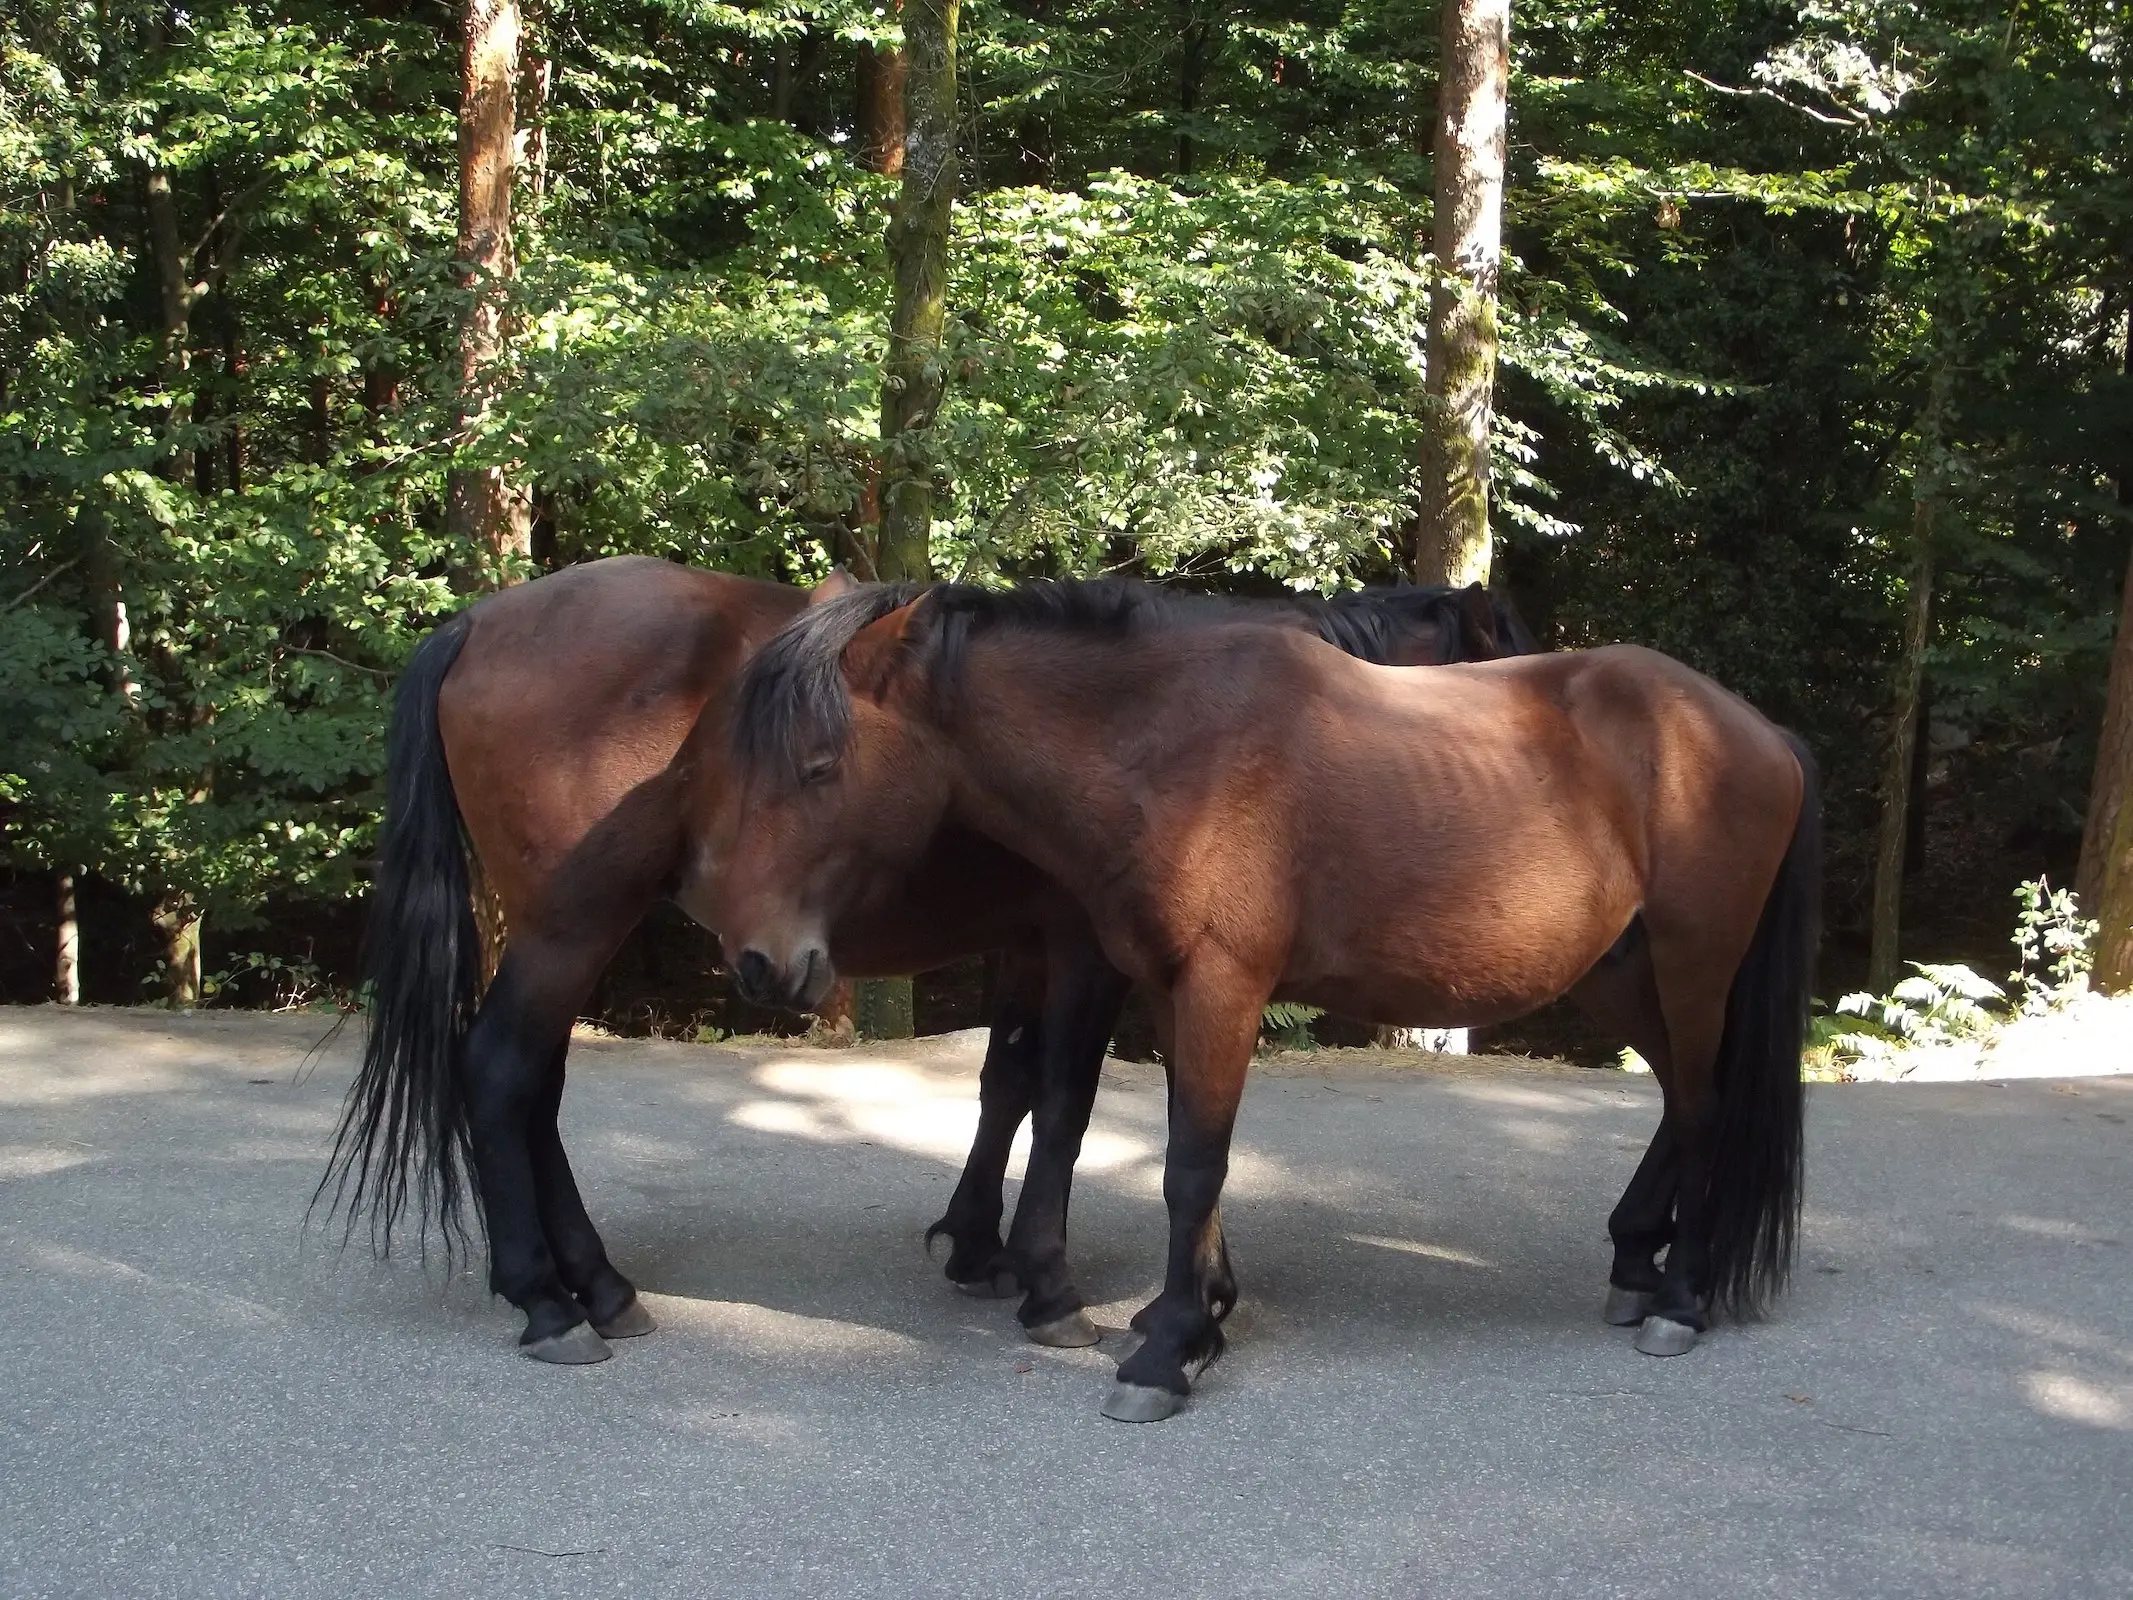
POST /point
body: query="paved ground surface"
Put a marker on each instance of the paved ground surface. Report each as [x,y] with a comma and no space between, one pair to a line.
[197,1398]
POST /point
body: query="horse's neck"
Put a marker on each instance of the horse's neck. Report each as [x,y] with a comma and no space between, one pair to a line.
[1038,770]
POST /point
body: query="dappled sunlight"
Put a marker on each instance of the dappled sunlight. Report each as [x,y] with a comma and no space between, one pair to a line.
[36,1083]
[877,1101]
[2058,1228]
[2087,1380]
[36,1160]
[614,1144]
[53,1057]
[2073,1399]
[1524,1097]
[66,1262]
[1416,1247]
[2038,1328]
[764,1334]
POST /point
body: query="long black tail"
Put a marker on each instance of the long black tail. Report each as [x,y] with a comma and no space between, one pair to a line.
[1754,1195]
[402,1142]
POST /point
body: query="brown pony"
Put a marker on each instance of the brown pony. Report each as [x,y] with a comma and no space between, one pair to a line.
[1248,815]
[560,742]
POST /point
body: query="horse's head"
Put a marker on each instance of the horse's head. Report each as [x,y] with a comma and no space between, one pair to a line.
[836,793]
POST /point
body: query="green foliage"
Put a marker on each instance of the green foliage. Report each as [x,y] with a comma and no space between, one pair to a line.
[1938,1003]
[1188,276]
[1287,1026]
[2053,943]
[1941,1003]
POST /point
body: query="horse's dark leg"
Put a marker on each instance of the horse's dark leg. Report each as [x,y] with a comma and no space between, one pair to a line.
[1694,1003]
[1222,1276]
[1007,1085]
[1641,1225]
[610,1300]
[1621,994]
[1215,1026]
[504,1074]
[1083,997]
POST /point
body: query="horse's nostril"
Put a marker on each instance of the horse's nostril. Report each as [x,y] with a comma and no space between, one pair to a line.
[812,978]
[751,975]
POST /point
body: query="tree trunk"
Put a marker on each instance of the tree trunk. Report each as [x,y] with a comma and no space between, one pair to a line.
[882,1008]
[881,109]
[880,117]
[174,300]
[1883,962]
[2113,780]
[178,920]
[381,379]
[66,972]
[2107,840]
[1193,39]
[481,506]
[918,141]
[1452,526]
[536,75]
[914,377]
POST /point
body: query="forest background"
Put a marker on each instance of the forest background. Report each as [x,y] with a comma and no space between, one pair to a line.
[1812,372]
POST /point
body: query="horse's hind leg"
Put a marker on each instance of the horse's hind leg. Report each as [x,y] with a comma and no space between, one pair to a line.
[1007,1086]
[1693,998]
[504,1075]
[1622,996]
[610,1300]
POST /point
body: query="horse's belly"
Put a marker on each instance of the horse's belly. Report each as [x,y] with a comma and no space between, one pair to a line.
[1464,972]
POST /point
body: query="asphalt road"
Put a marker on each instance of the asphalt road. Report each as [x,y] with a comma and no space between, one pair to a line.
[199,1398]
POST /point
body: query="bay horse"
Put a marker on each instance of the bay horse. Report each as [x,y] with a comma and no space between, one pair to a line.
[557,744]
[1249,815]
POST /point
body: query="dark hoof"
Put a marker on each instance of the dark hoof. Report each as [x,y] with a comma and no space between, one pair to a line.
[1661,1336]
[575,1346]
[1074,1331]
[631,1322]
[1625,1308]
[1000,1285]
[1134,1402]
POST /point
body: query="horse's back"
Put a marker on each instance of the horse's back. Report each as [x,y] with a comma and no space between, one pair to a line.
[1532,806]
[575,688]
[1715,785]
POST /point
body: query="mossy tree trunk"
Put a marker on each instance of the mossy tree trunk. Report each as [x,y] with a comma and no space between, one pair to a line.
[481,505]
[1452,527]
[914,375]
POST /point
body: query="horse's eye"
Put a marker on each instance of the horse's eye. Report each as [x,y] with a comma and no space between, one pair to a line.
[818,769]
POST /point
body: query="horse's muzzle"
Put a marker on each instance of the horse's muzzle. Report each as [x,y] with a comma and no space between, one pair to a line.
[797,986]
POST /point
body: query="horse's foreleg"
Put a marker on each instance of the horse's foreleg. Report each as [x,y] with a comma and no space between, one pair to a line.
[1007,1086]
[1084,994]
[1215,1022]
[610,1300]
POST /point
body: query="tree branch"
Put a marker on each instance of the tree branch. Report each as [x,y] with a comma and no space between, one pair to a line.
[1844,119]
[23,598]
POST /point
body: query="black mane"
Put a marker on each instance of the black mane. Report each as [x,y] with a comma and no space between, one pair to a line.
[792,697]
[793,702]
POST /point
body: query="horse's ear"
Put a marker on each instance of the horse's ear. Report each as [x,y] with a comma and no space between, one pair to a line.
[1477,624]
[839,582]
[879,650]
